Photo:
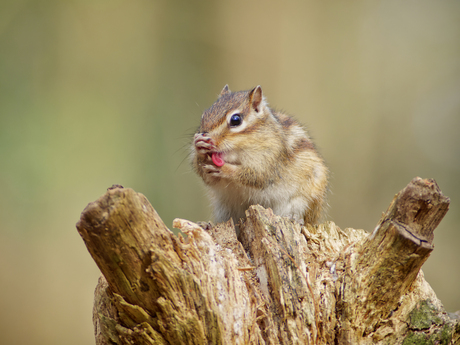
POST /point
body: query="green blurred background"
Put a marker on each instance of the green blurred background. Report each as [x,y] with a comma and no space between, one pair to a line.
[95,93]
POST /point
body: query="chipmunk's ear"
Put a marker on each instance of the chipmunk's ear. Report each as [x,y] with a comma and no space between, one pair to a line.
[224,91]
[256,97]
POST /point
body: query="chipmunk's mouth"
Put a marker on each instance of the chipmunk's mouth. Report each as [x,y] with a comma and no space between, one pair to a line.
[217,158]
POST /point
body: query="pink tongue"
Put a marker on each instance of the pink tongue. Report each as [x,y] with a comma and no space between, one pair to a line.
[217,159]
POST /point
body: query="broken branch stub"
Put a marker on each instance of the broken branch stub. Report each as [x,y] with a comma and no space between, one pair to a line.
[119,229]
[277,283]
[390,258]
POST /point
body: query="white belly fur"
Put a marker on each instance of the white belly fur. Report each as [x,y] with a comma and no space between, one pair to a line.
[231,201]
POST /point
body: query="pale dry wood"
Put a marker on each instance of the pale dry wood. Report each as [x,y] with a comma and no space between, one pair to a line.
[277,283]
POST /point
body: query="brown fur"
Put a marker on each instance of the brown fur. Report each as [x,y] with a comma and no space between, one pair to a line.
[215,115]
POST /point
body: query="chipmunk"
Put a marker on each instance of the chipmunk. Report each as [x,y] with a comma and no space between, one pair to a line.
[247,154]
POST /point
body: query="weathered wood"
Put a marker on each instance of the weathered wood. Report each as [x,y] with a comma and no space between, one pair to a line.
[389,259]
[277,283]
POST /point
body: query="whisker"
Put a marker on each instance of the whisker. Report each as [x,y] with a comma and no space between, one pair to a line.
[182,161]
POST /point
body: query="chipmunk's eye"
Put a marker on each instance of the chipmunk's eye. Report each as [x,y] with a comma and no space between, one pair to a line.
[235,120]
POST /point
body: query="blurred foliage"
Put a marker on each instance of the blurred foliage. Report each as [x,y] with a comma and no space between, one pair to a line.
[94,93]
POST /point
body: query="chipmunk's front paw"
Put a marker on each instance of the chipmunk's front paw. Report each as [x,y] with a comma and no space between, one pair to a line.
[211,170]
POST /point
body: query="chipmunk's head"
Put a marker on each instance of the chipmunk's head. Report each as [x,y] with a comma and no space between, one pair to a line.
[228,121]
[233,112]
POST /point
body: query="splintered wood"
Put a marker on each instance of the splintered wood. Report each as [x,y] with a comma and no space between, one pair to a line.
[275,283]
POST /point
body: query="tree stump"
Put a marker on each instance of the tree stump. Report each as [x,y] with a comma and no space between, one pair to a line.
[276,283]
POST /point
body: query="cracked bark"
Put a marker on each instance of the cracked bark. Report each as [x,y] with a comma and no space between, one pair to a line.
[277,283]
